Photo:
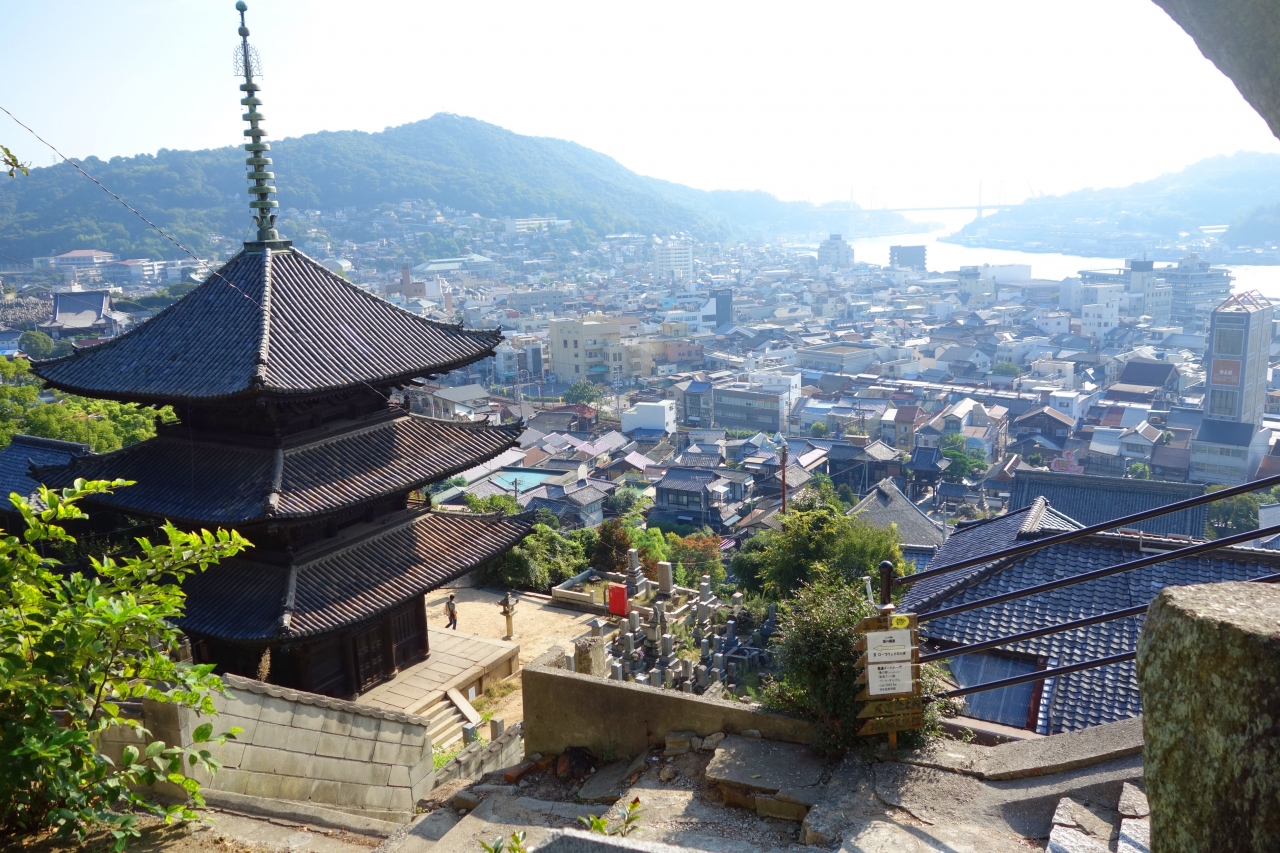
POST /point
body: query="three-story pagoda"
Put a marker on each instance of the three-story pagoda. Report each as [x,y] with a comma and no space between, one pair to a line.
[280,373]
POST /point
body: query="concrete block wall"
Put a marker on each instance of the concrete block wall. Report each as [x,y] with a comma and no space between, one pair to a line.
[564,708]
[306,748]
[480,758]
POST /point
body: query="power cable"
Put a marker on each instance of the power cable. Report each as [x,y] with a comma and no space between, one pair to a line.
[125,204]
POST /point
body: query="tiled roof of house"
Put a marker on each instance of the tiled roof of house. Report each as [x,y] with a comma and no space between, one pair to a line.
[211,480]
[687,479]
[240,599]
[278,324]
[1145,371]
[1092,500]
[980,539]
[1095,696]
[885,504]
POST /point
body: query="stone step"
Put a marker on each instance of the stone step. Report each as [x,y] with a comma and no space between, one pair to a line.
[446,725]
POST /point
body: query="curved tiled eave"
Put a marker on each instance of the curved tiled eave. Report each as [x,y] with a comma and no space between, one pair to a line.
[212,483]
[244,601]
[281,326]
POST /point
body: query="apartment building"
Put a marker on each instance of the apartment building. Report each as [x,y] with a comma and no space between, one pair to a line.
[587,348]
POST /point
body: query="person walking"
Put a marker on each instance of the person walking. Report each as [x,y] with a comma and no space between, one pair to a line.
[451,610]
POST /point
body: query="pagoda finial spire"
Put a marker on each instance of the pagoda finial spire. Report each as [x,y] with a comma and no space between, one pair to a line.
[259,179]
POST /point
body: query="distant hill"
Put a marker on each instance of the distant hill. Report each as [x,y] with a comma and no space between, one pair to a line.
[1222,190]
[456,161]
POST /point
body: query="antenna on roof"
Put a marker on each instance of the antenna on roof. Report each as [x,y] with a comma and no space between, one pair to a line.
[249,66]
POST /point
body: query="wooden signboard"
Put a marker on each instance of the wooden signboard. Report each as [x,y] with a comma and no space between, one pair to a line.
[890,671]
[891,707]
[892,725]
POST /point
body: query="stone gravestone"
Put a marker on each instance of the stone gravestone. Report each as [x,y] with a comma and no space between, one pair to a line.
[637,584]
[590,658]
[666,584]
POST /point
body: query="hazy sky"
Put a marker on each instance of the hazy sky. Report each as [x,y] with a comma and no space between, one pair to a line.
[899,103]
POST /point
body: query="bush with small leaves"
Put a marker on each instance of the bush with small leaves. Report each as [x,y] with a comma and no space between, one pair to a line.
[74,645]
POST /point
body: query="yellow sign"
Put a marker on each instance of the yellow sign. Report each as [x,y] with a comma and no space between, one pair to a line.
[900,621]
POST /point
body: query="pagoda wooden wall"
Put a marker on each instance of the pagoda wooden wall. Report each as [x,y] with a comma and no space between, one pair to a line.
[341,664]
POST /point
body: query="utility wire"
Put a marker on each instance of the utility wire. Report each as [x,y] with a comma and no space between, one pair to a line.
[126,205]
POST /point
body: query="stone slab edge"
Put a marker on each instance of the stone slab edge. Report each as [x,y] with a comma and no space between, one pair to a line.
[307,813]
[249,685]
[1024,759]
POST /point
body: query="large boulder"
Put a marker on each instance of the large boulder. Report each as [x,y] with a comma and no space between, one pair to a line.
[1209,672]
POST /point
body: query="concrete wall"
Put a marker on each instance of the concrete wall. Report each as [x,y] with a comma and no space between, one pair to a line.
[481,758]
[563,708]
[304,747]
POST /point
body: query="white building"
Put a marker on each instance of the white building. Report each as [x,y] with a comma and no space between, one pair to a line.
[835,252]
[660,415]
[1101,310]
[673,260]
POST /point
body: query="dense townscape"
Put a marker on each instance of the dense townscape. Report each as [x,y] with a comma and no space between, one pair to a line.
[507,533]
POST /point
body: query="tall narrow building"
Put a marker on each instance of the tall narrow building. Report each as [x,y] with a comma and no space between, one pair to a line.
[1238,352]
[280,373]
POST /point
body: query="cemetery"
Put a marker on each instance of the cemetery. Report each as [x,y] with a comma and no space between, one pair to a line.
[673,638]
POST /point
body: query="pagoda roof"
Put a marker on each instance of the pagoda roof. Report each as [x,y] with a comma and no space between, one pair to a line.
[268,322]
[337,586]
[212,480]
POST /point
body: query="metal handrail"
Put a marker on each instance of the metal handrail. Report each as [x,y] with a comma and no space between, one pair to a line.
[1031,635]
[1106,571]
[1036,676]
[888,582]
[1070,535]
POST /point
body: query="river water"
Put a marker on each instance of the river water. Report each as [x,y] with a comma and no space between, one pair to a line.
[949,256]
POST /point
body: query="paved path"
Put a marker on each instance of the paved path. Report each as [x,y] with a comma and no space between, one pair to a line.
[538,625]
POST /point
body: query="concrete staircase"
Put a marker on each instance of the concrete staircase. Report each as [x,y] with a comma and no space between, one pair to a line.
[448,714]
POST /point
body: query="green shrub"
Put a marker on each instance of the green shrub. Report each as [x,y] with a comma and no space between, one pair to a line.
[72,648]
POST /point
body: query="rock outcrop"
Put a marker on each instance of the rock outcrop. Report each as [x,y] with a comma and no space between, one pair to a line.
[1209,672]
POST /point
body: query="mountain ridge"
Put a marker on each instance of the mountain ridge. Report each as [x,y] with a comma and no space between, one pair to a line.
[1227,189]
[454,160]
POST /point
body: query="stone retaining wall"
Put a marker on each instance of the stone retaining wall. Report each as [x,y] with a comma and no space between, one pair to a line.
[480,758]
[303,747]
[564,708]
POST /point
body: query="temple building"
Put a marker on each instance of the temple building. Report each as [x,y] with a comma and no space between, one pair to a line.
[280,373]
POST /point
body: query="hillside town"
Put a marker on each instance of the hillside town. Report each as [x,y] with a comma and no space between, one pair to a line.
[744,546]
[690,350]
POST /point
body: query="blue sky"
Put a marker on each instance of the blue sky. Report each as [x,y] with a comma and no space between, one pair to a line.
[897,103]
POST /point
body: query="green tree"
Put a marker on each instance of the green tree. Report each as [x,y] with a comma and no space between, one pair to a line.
[37,344]
[1006,368]
[10,163]
[818,430]
[583,391]
[610,554]
[1140,471]
[543,559]
[964,463]
[811,538]
[73,646]
[499,503]
[846,495]
[698,554]
[623,500]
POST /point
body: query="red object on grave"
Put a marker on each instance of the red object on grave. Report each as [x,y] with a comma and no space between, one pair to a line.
[618,603]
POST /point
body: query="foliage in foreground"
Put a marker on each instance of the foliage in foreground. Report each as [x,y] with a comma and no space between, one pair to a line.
[816,648]
[73,646]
